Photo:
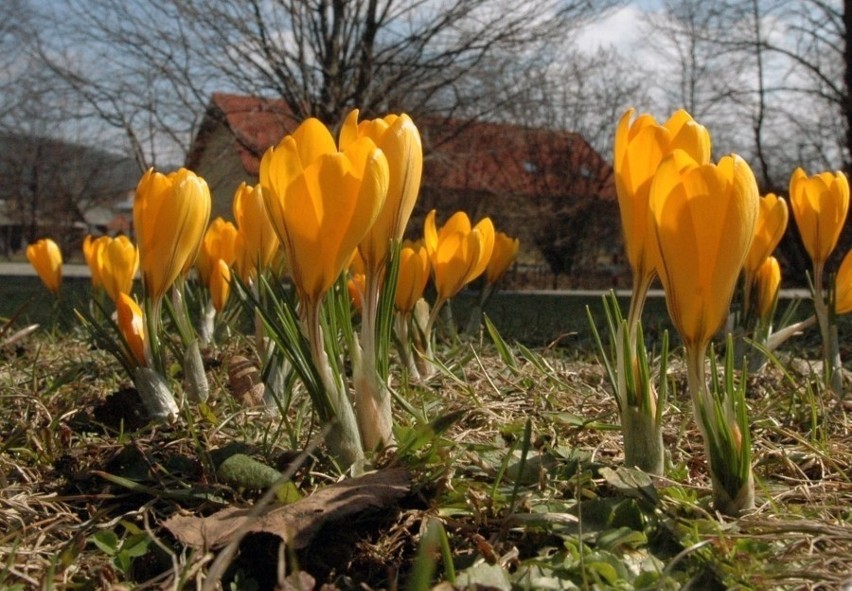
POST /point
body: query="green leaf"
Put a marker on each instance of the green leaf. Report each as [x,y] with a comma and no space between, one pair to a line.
[605,570]
[206,411]
[502,348]
[631,482]
[136,545]
[106,540]
[622,537]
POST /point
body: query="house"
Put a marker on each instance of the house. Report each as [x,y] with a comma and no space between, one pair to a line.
[549,188]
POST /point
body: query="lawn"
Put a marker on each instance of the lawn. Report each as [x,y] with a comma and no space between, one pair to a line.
[508,475]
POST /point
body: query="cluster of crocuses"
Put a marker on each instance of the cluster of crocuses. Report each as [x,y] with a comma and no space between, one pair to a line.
[321,203]
[698,226]
[346,203]
[453,256]
[170,214]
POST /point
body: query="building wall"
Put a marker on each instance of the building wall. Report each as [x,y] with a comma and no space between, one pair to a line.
[221,167]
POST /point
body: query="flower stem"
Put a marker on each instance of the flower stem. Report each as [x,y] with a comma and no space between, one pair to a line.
[372,398]
[343,438]
[641,284]
[643,440]
[730,468]
[832,366]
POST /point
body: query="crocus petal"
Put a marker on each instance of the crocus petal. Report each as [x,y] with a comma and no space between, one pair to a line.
[485,232]
[771,224]
[220,284]
[430,234]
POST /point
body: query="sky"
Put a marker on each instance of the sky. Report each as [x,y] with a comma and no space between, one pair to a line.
[620,29]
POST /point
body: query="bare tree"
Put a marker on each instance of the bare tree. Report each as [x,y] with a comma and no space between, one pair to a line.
[148,67]
[770,78]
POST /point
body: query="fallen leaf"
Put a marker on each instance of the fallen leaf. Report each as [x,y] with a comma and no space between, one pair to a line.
[298,522]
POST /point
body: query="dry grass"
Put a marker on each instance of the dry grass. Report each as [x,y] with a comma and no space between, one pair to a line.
[547,511]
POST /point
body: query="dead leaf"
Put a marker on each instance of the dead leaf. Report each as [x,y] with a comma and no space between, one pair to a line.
[299,522]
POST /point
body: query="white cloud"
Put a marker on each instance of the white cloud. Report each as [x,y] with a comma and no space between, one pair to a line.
[620,29]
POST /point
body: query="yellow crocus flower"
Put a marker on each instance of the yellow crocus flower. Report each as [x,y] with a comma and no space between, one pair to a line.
[355,287]
[220,284]
[170,214]
[820,204]
[399,139]
[413,275]
[703,221]
[458,253]
[768,278]
[132,326]
[218,244]
[118,261]
[640,146]
[259,242]
[321,202]
[771,224]
[91,255]
[505,253]
[46,258]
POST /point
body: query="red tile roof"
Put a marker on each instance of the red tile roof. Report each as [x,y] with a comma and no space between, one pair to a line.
[471,156]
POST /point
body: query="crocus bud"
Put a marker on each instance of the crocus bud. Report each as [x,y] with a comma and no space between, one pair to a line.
[703,220]
[132,326]
[640,145]
[413,276]
[259,242]
[217,244]
[768,279]
[820,204]
[46,258]
[118,262]
[170,214]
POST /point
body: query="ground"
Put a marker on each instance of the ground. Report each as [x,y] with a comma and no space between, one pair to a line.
[508,475]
